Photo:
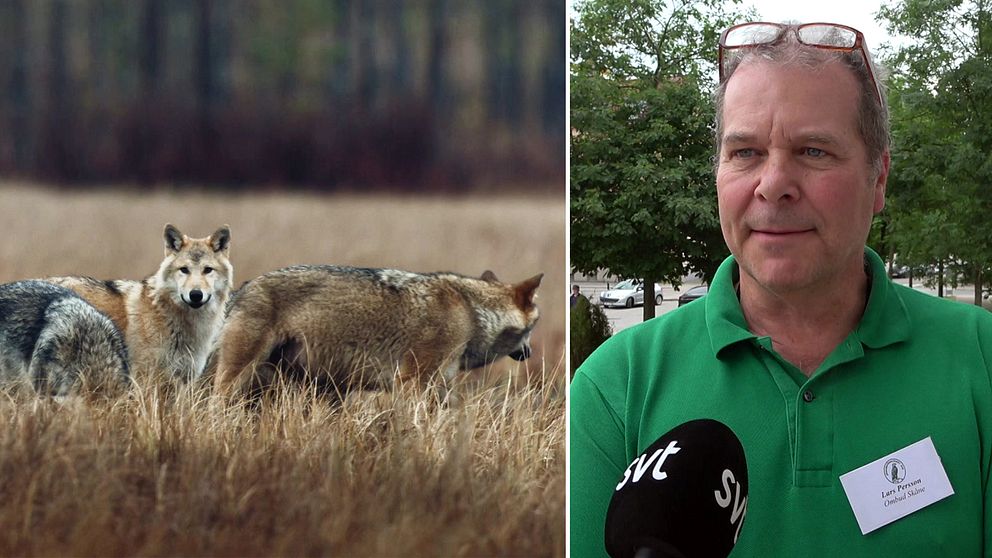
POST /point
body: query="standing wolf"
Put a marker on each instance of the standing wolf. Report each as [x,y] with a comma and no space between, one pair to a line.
[171,318]
[360,327]
[55,340]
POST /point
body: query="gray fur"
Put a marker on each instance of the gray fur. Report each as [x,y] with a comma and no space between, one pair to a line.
[57,342]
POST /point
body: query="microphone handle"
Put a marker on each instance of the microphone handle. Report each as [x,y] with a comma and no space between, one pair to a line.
[658,550]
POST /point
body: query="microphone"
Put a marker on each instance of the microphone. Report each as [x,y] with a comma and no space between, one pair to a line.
[685,496]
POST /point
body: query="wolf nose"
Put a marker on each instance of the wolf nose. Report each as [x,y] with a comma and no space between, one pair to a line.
[522,354]
[196,296]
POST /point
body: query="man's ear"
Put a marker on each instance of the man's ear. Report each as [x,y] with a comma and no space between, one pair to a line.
[881,182]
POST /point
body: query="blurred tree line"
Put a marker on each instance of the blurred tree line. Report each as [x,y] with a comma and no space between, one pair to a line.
[401,94]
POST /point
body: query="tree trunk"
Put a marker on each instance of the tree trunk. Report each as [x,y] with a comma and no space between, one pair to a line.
[149,68]
[149,60]
[940,278]
[394,20]
[439,91]
[365,61]
[553,102]
[22,132]
[56,149]
[648,299]
[503,80]
[340,82]
[978,285]
[202,142]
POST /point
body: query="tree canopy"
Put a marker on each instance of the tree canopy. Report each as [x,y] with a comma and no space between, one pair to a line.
[941,105]
[643,202]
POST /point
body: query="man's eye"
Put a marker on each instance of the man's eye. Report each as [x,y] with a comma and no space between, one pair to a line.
[745,153]
[814,152]
[184,270]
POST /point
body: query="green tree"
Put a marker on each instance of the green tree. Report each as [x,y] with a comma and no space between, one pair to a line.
[588,328]
[942,134]
[642,197]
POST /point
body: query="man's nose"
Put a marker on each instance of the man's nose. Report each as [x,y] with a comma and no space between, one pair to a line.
[779,179]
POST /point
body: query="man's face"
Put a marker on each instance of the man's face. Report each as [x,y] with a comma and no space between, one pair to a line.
[795,188]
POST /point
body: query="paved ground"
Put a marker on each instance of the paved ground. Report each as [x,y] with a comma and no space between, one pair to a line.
[621,318]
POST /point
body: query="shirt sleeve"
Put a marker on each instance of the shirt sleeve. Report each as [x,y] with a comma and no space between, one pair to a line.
[597,457]
[984,416]
[987,523]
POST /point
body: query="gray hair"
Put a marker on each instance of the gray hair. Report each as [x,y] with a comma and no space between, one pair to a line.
[873,116]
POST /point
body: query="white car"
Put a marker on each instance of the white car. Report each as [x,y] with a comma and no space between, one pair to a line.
[628,294]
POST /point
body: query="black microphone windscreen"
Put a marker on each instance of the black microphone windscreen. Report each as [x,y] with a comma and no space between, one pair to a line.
[684,496]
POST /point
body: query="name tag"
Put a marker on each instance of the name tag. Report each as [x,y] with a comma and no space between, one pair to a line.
[896,485]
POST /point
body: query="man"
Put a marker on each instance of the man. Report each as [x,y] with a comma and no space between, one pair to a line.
[574,298]
[803,347]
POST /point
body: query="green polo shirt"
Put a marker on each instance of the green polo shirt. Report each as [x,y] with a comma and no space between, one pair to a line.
[916,366]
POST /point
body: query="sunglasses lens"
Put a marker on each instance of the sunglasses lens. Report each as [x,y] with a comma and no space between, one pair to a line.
[751,34]
[827,35]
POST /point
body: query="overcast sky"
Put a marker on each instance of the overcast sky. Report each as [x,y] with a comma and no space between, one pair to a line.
[859,14]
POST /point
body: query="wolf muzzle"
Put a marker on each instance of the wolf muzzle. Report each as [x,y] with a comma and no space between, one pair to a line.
[522,354]
[196,298]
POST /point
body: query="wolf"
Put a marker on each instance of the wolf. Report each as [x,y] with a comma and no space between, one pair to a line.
[55,340]
[169,319]
[364,328]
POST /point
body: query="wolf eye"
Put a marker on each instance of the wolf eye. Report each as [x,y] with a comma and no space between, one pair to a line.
[207,270]
[184,270]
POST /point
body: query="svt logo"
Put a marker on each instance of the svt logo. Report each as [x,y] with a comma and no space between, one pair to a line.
[641,466]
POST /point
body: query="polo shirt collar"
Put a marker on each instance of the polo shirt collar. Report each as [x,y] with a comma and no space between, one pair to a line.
[884,322]
[724,317]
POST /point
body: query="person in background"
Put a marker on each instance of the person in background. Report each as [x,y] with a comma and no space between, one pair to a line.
[574,298]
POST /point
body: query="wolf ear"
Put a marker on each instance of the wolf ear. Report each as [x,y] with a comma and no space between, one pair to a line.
[221,239]
[174,239]
[489,276]
[523,292]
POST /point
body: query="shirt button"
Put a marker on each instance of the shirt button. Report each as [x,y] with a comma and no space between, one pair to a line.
[808,396]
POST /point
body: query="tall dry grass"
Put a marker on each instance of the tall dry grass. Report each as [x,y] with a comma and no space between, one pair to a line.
[383,474]
[160,472]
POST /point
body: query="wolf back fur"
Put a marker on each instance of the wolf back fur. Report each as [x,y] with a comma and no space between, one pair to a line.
[171,318]
[58,342]
[364,327]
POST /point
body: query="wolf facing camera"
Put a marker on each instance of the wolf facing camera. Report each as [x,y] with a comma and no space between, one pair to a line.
[171,318]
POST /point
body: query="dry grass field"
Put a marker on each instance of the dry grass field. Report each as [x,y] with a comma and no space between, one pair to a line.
[162,472]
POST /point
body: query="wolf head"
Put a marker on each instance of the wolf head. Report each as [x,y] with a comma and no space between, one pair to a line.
[196,272]
[505,316]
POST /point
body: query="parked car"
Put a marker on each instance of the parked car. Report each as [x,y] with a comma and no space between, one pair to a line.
[899,271]
[693,294]
[628,294]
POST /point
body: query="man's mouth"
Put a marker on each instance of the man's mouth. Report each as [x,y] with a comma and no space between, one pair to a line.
[780,232]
